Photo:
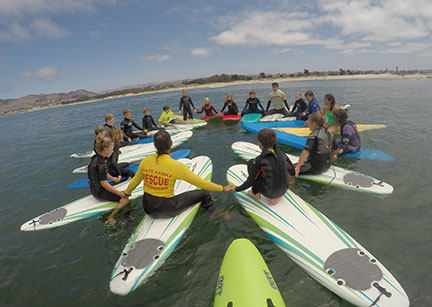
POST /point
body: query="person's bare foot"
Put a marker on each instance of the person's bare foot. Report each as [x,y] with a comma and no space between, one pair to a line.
[274,201]
[257,195]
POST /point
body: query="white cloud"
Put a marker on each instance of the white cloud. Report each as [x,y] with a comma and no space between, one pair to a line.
[14,33]
[48,73]
[155,58]
[282,51]
[201,52]
[45,27]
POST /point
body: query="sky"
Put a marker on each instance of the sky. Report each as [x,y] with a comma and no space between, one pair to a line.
[49,46]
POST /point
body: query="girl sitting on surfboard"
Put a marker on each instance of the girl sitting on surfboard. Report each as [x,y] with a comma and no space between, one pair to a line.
[328,112]
[159,172]
[207,108]
[98,176]
[316,155]
[349,142]
[232,106]
[114,168]
[268,173]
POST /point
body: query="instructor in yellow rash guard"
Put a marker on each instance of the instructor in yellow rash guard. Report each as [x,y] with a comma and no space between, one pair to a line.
[160,172]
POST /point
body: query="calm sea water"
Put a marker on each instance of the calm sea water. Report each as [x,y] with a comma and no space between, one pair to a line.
[72,265]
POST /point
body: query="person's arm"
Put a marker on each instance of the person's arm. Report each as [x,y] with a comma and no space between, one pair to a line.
[152,120]
[107,186]
[253,170]
[202,110]
[193,107]
[295,106]
[136,125]
[268,105]
[303,157]
[260,105]
[114,160]
[181,171]
[136,180]
[246,105]
[235,107]
[225,104]
[212,108]
[181,103]
[286,104]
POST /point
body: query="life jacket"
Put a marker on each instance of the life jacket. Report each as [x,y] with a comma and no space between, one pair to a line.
[272,176]
[353,140]
[320,154]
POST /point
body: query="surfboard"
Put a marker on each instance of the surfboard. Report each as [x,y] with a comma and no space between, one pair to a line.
[231,117]
[305,131]
[335,176]
[192,122]
[244,279]
[141,151]
[131,146]
[251,118]
[155,238]
[271,118]
[83,183]
[212,118]
[323,249]
[300,141]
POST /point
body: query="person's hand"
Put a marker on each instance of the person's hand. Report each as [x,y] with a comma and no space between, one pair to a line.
[129,139]
[229,188]
[124,195]
[334,158]
[117,179]
[297,171]
[195,110]
[145,130]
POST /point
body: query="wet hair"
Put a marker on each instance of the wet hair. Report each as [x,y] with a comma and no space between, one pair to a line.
[126,111]
[275,83]
[166,107]
[102,142]
[229,95]
[267,137]
[146,109]
[99,129]
[341,116]
[115,134]
[162,142]
[309,93]
[317,119]
[332,100]
[252,92]
[109,116]
[298,93]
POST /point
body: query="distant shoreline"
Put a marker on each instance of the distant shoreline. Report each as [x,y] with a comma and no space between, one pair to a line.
[254,81]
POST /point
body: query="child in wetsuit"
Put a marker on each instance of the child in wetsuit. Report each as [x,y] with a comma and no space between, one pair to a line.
[126,125]
[148,122]
[299,107]
[160,173]
[268,173]
[208,108]
[109,124]
[253,104]
[117,170]
[316,155]
[186,103]
[166,119]
[98,176]
[313,105]
[232,106]
[349,142]
[99,131]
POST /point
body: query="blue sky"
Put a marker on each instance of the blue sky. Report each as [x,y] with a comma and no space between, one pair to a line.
[51,46]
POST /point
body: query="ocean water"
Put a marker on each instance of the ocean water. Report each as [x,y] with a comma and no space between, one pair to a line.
[72,265]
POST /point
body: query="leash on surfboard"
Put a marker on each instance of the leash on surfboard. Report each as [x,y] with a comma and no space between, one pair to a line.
[334,175]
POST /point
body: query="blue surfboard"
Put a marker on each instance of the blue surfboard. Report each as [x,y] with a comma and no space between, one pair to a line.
[83,183]
[300,141]
[142,141]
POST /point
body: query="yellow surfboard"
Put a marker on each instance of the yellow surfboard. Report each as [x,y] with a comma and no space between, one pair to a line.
[304,131]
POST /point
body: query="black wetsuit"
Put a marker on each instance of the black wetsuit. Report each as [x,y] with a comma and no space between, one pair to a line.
[125,137]
[126,126]
[299,107]
[253,106]
[97,172]
[209,109]
[232,108]
[319,145]
[149,123]
[186,103]
[268,173]
[118,169]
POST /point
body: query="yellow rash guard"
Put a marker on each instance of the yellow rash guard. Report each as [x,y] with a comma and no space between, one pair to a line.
[165,117]
[160,176]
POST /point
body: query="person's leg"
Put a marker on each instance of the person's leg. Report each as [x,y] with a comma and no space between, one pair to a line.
[283,111]
[189,111]
[307,169]
[185,113]
[127,173]
[270,112]
[123,202]
[346,149]
[108,196]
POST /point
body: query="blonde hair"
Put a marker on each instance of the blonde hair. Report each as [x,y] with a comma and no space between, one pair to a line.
[229,95]
[298,93]
[109,116]
[102,142]
[99,129]
[115,134]
[126,111]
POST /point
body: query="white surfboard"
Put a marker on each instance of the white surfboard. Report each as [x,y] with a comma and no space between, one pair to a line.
[140,151]
[155,238]
[335,176]
[271,118]
[325,251]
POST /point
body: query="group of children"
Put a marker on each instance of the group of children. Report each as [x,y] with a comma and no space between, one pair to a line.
[268,173]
